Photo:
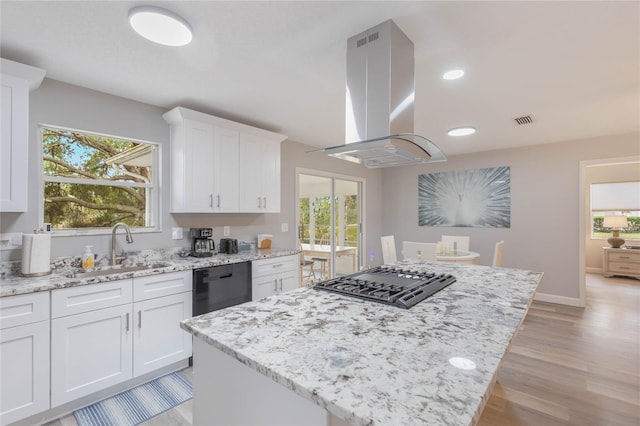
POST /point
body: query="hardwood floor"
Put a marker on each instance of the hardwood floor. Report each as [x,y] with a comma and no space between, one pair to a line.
[566,366]
[574,366]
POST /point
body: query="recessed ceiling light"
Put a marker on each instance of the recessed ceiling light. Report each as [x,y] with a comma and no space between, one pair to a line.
[461,131]
[453,74]
[160,25]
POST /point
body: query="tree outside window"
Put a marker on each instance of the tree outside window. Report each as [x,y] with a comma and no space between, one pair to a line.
[96,181]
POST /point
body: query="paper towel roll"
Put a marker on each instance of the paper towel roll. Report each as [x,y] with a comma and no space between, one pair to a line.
[36,254]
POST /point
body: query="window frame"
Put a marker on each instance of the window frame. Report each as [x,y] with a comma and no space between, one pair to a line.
[597,212]
[154,187]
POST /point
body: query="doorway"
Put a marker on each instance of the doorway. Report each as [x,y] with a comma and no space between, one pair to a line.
[587,244]
[329,223]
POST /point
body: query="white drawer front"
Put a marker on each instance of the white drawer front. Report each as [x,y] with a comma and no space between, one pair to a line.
[624,257]
[274,265]
[624,267]
[162,285]
[24,309]
[75,300]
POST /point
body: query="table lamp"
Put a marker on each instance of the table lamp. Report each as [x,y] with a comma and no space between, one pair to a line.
[615,223]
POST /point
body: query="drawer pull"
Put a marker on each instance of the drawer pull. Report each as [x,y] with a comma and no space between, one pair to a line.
[277,265]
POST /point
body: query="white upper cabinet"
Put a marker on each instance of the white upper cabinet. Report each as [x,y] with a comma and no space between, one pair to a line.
[226,155]
[259,174]
[17,80]
[220,166]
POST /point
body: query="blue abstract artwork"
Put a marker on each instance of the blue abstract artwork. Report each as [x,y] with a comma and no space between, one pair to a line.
[478,198]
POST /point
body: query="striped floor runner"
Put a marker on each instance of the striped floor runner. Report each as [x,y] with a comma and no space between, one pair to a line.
[137,405]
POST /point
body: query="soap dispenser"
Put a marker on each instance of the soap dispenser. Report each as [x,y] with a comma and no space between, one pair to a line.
[87,257]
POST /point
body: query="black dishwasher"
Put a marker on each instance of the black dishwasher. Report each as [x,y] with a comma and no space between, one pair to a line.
[219,287]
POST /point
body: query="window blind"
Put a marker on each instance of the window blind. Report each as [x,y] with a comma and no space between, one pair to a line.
[615,196]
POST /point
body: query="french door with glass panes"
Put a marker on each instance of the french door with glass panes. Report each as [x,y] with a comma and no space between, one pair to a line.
[329,219]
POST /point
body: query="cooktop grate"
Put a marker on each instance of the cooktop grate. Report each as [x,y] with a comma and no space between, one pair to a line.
[394,286]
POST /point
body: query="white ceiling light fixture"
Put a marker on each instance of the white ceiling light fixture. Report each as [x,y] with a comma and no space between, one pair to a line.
[160,26]
[453,74]
[461,131]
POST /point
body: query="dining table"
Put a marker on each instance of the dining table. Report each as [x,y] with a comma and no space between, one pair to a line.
[458,256]
[324,250]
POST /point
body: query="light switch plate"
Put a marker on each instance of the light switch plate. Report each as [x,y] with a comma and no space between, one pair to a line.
[226,231]
[176,233]
[284,227]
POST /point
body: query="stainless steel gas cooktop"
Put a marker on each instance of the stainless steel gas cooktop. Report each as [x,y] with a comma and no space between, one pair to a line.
[394,286]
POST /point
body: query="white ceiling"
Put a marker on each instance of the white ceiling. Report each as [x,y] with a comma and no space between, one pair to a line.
[574,66]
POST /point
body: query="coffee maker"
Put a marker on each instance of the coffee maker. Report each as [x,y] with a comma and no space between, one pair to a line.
[201,244]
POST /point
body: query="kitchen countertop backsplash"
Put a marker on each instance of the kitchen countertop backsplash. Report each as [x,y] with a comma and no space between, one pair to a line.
[177,259]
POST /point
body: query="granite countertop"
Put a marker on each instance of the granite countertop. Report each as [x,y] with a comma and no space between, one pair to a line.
[12,283]
[373,364]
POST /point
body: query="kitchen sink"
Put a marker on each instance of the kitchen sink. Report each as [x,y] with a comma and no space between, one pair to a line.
[116,269]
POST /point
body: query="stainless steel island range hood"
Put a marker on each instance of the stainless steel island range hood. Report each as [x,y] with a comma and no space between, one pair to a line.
[379,102]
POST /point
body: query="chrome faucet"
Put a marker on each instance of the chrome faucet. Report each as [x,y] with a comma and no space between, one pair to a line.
[129,239]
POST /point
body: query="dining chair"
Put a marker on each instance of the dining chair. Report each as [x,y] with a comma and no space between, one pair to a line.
[418,251]
[461,242]
[497,254]
[388,249]
[307,272]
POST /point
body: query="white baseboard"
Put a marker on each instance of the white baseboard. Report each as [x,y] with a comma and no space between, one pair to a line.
[561,300]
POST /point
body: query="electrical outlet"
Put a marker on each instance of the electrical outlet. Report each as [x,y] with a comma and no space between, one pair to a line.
[11,241]
[284,227]
[176,233]
[226,231]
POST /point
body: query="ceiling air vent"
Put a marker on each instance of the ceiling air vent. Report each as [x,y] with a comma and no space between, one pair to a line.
[525,119]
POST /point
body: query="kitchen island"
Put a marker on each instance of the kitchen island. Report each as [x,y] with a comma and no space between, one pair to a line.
[312,357]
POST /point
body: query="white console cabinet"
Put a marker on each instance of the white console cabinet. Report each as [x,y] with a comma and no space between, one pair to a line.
[217,165]
[16,80]
[24,356]
[274,275]
[621,261]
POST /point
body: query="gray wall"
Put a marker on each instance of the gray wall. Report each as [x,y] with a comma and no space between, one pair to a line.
[544,190]
[544,233]
[61,104]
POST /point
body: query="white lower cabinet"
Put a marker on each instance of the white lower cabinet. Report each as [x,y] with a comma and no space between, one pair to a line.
[158,338]
[91,339]
[274,275]
[104,334]
[24,356]
[90,352]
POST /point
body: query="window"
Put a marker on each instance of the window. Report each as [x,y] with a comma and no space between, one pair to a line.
[615,199]
[95,181]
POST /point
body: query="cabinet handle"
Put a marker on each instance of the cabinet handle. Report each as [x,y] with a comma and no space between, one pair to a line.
[218,196]
[210,200]
[280,284]
[275,282]
[623,267]
[264,204]
[127,322]
[277,265]
[140,318]
[259,202]
[625,257]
